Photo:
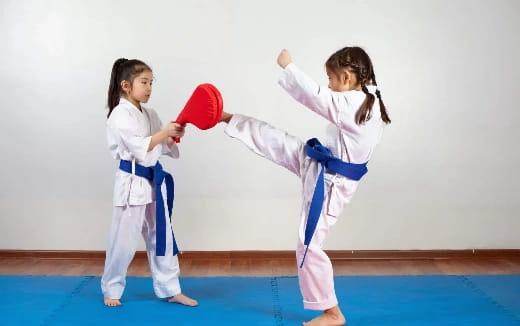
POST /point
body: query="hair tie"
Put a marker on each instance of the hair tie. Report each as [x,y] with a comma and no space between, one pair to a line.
[378,93]
[364,89]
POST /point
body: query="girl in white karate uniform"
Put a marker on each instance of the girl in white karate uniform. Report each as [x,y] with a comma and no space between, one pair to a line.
[136,137]
[357,122]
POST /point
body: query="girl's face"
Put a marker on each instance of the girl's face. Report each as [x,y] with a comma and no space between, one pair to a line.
[141,88]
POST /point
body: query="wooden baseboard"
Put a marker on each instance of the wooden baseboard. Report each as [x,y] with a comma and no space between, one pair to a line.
[335,255]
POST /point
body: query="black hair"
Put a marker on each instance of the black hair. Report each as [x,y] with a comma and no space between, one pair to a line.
[357,61]
[123,69]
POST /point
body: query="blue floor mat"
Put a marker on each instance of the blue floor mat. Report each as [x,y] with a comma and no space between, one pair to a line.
[274,301]
[505,294]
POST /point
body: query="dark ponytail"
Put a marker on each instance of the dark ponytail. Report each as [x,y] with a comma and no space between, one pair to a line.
[382,107]
[364,113]
[114,89]
[123,69]
[357,61]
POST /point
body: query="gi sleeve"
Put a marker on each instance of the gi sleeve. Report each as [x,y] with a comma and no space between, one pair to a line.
[172,151]
[121,125]
[306,91]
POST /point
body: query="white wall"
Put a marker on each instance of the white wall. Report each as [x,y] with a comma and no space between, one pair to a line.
[444,177]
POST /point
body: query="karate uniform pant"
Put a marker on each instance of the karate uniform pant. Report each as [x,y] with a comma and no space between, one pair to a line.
[316,278]
[128,224]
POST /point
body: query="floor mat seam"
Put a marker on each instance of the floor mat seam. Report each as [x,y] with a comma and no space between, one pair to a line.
[277,308]
[476,288]
[75,291]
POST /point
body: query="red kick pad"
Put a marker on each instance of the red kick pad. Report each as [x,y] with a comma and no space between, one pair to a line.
[204,107]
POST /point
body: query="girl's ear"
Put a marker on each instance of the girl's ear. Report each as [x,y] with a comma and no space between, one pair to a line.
[349,78]
[125,86]
[345,77]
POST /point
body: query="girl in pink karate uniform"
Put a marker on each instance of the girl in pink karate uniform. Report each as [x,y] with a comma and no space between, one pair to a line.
[357,122]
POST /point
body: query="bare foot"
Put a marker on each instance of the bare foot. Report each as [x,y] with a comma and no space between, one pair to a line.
[182,299]
[226,117]
[330,317]
[112,302]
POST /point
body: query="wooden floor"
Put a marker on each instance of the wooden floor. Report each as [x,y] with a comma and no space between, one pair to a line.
[266,267]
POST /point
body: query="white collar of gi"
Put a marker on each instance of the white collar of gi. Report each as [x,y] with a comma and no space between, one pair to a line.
[123,100]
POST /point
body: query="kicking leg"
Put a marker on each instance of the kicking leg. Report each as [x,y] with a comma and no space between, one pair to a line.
[267,141]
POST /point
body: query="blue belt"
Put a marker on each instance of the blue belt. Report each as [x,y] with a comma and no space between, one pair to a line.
[157,176]
[322,154]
